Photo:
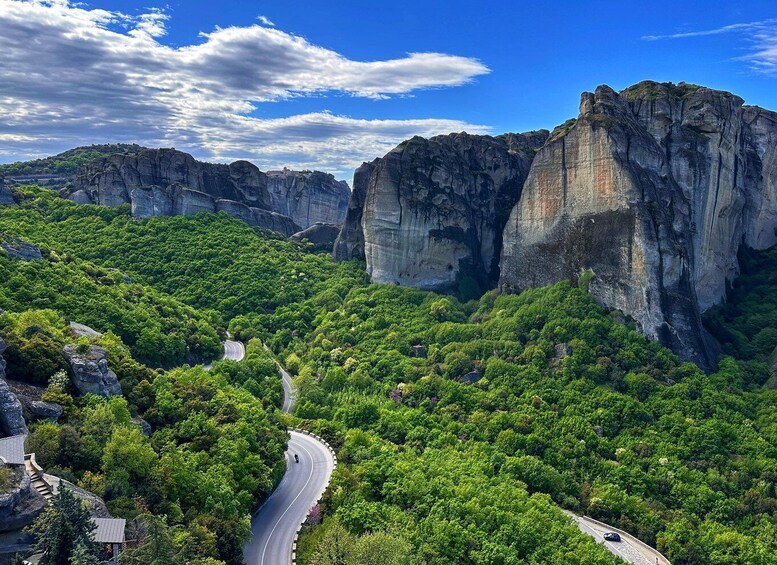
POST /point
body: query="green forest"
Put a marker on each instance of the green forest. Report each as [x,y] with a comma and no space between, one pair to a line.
[68,162]
[463,428]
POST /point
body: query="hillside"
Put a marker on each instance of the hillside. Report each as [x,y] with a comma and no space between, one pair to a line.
[64,166]
[462,428]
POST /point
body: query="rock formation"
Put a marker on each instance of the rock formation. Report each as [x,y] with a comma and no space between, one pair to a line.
[166,182]
[350,241]
[6,196]
[322,236]
[21,250]
[11,416]
[89,370]
[308,197]
[651,190]
[434,209]
[21,504]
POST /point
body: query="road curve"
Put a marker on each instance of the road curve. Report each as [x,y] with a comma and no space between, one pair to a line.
[233,351]
[629,549]
[275,524]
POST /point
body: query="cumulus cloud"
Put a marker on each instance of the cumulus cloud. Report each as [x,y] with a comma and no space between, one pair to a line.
[760,38]
[265,20]
[95,75]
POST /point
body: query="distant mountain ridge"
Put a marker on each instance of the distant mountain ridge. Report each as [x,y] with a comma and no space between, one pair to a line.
[170,182]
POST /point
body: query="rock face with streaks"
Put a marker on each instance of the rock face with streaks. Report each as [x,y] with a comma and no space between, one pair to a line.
[308,197]
[350,241]
[166,182]
[433,209]
[321,236]
[11,416]
[652,190]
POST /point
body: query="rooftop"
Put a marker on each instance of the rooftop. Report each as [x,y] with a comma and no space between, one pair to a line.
[12,449]
[109,530]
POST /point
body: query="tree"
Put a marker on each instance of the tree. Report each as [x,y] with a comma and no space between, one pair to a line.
[380,548]
[335,547]
[157,544]
[64,531]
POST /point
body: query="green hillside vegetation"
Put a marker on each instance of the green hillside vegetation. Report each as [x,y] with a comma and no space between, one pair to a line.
[159,329]
[216,450]
[462,428]
[68,162]
[746,324]
[572,408]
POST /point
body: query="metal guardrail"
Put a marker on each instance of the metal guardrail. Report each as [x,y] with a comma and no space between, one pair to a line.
[334,468]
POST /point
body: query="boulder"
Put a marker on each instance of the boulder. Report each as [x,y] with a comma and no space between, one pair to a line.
[89,371]
[41,410]
[321,236]
[11,416]
[472,377]
[21,250]
[144,426]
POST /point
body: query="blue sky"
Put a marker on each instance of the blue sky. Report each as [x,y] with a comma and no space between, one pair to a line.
[502,66]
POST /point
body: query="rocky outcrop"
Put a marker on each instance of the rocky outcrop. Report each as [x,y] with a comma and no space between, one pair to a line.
[21,504]
[89,370]
[41,410]
[653,190]
[434,208]
[321,236]
[21,250]
[350,241]
[6,196]
[308,197]
[11,416]
[166,182]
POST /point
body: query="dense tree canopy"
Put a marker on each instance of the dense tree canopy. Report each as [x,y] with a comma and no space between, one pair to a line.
[462,429]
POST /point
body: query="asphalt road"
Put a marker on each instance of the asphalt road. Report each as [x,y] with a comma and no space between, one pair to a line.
[629,549]
[275,523]
[289,396]
[233,351]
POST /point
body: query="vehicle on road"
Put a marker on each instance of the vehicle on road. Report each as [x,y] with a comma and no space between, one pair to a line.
[612,536]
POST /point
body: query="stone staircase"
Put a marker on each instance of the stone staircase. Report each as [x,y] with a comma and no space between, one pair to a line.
[37,477]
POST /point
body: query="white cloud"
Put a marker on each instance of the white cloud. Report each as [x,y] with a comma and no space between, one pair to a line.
[265,20]
[94,75]
[759,36]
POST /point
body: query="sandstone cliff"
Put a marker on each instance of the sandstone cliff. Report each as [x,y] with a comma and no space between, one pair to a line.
[308,197]
[350,241]
[653,190]
[433,209]
[166,182]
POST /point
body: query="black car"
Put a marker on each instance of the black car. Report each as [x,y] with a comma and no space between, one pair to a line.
[612,536]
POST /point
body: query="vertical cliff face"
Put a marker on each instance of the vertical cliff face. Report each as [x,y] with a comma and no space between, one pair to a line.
[434,209]
[167,182]
[760,216]
[653,190]
[350,242]
[308,197]
[601,198]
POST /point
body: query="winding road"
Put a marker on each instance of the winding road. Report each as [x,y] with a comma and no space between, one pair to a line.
[275,524]
[630,549]
[233,351]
